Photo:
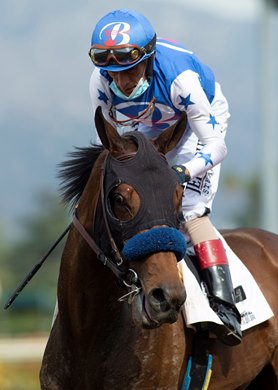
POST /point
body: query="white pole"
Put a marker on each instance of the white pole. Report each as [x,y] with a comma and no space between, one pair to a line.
[267,165]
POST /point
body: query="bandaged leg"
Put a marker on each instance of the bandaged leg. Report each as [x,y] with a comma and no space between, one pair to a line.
[213,263]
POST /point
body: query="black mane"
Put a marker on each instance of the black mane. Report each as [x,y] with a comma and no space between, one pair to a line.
[74,173]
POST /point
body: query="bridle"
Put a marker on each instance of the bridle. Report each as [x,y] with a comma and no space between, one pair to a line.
[126,275]
[154,226]
[169,239]
[117,265]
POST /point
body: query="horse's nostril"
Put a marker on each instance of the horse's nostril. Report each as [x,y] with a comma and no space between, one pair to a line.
[158,294]
[158,300]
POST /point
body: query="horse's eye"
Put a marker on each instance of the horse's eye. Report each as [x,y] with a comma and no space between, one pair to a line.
[118,199]
[123,202]
[120,207]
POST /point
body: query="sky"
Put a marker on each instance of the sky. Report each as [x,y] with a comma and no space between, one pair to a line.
[227,9]
[45,71]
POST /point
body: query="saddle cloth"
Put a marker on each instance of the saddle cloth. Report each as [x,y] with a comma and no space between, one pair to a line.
[252,305]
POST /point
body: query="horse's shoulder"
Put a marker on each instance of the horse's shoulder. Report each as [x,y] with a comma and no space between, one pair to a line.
[251,236]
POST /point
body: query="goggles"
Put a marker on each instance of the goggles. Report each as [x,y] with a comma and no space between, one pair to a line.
[119,55]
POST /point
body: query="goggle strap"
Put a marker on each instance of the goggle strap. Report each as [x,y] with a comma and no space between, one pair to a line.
[126,122]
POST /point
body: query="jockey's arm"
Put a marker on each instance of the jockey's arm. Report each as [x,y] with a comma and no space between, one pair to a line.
[189,95]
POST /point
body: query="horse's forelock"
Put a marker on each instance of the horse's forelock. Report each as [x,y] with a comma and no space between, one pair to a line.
[75,172]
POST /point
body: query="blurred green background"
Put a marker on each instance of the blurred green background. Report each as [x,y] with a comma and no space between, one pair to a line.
[24,326]
[36,301]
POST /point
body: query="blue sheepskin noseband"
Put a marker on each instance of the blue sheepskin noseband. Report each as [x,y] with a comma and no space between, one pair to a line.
[161,239]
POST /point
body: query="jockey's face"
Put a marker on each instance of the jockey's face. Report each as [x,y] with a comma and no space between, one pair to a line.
[126,80]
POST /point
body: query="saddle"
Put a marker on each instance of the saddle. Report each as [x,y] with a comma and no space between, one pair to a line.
[250,301]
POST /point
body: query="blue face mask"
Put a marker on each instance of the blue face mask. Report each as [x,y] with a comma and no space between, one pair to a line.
[140,88]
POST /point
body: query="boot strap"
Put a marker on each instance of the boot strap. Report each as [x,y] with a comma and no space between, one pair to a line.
[210,253]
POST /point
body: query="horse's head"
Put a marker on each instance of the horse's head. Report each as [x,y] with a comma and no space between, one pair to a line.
[138,211]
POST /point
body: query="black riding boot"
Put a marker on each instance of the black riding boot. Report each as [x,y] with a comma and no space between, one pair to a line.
[216,275]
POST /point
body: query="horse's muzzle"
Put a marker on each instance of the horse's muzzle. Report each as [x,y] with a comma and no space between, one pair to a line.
[160,306]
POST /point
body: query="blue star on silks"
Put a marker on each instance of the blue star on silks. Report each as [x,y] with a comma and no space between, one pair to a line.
[102,96]
[206,157]
[186,101]
[212,121]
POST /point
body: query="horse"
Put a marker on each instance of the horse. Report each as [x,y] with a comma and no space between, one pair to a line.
[120,323]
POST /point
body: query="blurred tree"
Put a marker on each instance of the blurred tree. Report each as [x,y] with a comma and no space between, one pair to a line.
[4,254]
[41,230]
[274,3]
[250,217]
[243,196]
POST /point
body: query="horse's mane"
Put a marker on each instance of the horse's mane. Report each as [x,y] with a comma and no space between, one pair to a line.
[75,172]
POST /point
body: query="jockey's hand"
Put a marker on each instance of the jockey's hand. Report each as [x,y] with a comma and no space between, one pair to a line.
[182,173]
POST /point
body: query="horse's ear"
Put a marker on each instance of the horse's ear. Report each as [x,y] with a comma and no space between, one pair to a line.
[170,137]
[108,135]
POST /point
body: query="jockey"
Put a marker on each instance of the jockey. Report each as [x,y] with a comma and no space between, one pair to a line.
[144,83]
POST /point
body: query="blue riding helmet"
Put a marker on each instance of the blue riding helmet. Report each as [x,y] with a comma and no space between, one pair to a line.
[122,39]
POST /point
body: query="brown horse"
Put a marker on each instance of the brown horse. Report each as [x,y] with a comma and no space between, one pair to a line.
[141,342]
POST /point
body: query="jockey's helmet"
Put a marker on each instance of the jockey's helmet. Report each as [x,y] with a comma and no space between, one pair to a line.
[122,39]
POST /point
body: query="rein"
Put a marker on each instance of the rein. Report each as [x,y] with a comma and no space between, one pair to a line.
[127,275]
[34,270]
